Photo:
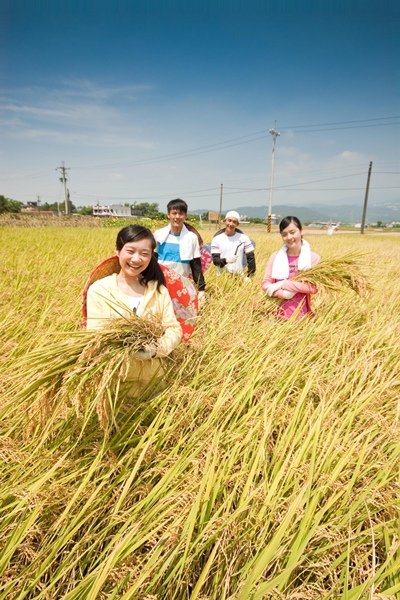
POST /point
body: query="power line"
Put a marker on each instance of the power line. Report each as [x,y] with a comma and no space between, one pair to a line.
[183,154]
[35,175]
[343,122]
[237,141]
[148,197]
[305,182]
[38,174]
[347,127]
[239,190]
[374,187]
[166,195]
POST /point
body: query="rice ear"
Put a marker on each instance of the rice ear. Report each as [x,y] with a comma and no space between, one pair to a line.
[338,273]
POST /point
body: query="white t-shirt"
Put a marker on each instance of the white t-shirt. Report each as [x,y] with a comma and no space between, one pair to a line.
[227,246]
[173,250]
[132,301]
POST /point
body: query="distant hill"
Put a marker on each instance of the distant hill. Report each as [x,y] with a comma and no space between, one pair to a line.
[346,213]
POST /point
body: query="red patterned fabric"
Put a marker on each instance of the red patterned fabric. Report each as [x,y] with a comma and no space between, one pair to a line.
[205,254]
[184,300]
[205,258]
[182,291]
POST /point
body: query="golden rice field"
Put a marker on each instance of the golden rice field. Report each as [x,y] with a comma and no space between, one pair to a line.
[268,468]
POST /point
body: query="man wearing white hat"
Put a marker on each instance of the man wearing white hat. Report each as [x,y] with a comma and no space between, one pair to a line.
[232,249]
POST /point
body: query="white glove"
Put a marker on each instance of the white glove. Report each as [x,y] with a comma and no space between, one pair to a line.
[287,295]
[201,297]
[274,286]
[148,352]
[231,259]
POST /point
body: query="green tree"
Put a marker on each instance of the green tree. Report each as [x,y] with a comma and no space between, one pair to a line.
[10,206]
[59,207]
[85,210]
[149,209]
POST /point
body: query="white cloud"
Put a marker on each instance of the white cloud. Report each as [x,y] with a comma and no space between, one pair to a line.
[33,110]
[75,112]
[349,156]
[88,114]
[88,89]
[107,139]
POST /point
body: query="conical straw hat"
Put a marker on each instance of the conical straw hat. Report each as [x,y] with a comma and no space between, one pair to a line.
[107,267]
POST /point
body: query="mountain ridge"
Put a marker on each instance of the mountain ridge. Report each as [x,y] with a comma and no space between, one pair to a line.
[346,213]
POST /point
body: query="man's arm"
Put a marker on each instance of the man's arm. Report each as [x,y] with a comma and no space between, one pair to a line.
[197,274]
[251,263]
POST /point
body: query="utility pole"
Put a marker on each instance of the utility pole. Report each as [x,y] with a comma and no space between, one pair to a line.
[220,203]
[364,214]
[63,180]
[274,134]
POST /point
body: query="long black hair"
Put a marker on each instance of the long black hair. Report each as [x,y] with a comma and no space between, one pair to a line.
[286,222]
[135,233]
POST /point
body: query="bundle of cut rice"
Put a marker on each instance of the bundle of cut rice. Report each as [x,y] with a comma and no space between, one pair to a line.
[83,368]
[337,274]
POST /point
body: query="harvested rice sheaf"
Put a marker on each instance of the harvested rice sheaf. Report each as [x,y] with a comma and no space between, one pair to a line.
[84,368]
[337,274]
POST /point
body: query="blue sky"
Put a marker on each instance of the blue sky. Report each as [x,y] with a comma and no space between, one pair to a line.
[152,100]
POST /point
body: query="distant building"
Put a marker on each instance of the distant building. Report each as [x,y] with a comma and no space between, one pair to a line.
[136,212]
[32,208]
[111,210]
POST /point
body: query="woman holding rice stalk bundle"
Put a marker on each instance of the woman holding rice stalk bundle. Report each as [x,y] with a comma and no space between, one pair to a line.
[137,287]
[294,256]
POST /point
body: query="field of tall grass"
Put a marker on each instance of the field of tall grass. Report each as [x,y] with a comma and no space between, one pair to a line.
[268,468]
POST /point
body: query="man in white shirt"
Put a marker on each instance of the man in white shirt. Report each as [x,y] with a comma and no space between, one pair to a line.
[231,249]
[178,248]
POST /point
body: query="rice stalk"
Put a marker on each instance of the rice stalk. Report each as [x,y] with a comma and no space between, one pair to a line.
[270,461]
[337,274]
[83,369]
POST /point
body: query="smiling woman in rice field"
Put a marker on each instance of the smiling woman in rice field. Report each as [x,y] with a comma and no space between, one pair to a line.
[284,264]
[138,287]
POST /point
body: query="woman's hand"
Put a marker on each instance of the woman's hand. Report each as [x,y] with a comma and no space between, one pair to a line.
[147,353]
[201,297]
[287,295]
[273,287]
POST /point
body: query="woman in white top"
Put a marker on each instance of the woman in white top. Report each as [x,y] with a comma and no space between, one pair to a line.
[294,256]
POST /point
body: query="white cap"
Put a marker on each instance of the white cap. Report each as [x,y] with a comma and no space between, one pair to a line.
[232,214]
